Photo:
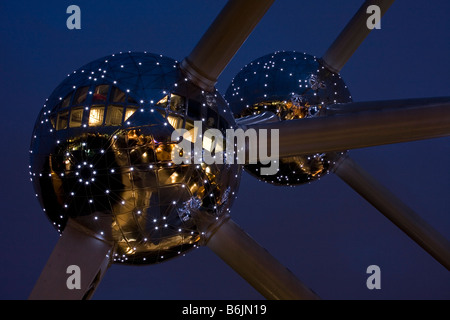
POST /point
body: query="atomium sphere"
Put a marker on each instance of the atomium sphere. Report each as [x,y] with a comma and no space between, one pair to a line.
[290,85]
[102,154]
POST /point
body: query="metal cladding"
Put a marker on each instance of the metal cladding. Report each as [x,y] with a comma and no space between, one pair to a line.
[101,154]
[291,85]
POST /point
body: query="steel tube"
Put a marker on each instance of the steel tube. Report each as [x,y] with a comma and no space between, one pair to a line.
[386,105]
[352,36]
[74,247]
[222,40]
[359,129]
[395,210]
[256,265]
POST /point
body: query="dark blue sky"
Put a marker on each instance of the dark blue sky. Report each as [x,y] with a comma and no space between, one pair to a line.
[324,232]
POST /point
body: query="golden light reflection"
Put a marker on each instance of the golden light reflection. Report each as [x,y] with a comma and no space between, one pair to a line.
[286,110]
[173,177]
[176,122]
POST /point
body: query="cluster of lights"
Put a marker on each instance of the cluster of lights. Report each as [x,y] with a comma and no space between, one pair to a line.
[81,176]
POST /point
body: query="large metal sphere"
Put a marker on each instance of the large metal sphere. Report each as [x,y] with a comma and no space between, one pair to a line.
[291,85]
[101,155]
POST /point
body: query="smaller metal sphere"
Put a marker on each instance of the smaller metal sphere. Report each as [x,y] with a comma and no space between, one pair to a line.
[290,85]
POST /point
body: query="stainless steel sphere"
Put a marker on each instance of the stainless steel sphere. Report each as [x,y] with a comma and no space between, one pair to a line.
[101,154]
[291,85]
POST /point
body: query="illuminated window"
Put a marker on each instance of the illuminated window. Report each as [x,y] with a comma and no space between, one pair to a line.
[129,112]
[61,123]
[80,95]
[100,93]
[76,117]
[114,116]
[96,116]
[117,95]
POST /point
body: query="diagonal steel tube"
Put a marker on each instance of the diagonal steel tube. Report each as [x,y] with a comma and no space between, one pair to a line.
[352,36]
[256,265]
[76,247]
[386,105]
[362,129]
[395,210]
[222,40]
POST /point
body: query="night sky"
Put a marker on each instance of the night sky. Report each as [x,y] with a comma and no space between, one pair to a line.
[324,232]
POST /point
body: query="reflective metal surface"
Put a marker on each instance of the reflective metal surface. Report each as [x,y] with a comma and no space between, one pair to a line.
[291,85]
[101,154]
